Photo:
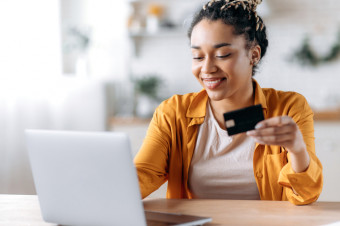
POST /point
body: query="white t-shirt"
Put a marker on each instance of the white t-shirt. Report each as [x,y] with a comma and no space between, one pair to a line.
[222,165]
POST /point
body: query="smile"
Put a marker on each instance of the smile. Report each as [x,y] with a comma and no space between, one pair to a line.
[212,83]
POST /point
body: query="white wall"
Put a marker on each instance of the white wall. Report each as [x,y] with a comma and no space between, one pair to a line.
[30,49]
[33,93]
[106,21]
[30,38]
[286,30]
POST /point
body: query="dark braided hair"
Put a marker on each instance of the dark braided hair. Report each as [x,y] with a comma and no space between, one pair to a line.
[243,20]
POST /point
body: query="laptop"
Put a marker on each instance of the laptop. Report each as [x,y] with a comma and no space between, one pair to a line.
[88,178]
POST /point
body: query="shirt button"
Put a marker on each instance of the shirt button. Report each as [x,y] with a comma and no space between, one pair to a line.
[259,175]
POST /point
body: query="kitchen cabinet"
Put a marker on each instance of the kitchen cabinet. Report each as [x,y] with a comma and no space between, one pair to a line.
[327,146]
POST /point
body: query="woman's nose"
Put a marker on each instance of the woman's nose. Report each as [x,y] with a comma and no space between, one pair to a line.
[208,66]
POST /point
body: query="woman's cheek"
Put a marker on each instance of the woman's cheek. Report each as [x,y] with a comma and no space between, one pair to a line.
[195,69]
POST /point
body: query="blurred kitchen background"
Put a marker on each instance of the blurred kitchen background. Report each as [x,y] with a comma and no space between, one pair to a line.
[104,65]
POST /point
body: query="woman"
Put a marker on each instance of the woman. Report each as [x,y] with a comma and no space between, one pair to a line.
[187,143]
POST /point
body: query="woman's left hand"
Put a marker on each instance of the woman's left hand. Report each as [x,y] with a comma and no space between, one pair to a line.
[282,131]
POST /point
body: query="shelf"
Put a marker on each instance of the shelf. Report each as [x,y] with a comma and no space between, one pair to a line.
[137,37]
[126,121]
[327,115]
[176,32]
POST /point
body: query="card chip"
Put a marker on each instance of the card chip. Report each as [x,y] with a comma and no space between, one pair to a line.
[230,123]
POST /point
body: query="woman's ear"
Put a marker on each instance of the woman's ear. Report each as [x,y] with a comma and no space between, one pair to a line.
[255,52]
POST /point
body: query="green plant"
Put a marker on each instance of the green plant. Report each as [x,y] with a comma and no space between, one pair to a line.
[77,39]
[148,85]
[306,56]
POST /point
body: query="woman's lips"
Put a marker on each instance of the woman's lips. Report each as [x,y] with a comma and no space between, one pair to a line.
[212,83]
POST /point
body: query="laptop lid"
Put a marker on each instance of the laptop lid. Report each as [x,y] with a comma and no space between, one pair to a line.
[85,178]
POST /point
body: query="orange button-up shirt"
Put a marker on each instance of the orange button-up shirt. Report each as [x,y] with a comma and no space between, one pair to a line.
[170,142]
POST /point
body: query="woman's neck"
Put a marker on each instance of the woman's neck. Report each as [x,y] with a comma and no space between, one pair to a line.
[236,102]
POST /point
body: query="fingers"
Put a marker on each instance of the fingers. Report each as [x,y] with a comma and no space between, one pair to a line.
[281,131]
[275,121]
[275,131]
[275,140]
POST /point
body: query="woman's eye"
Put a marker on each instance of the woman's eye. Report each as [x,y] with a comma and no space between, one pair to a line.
[197,58]
[224,56]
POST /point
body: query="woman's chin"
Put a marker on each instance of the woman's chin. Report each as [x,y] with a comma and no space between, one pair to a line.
[215,96]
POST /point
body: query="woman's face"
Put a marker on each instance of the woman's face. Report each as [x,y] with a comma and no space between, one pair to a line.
[221,62]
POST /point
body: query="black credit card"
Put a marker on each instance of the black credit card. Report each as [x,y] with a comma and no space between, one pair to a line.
[242,120]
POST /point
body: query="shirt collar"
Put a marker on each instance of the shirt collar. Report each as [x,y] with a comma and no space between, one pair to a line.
[260,98]
[198,105]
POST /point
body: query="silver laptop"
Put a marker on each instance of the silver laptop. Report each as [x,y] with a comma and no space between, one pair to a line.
[88,178]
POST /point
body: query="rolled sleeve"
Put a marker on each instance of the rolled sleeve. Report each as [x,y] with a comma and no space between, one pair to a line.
[305,187]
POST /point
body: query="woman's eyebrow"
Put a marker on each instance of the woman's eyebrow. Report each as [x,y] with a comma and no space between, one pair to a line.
[215,46]
[221,45]
[195,47]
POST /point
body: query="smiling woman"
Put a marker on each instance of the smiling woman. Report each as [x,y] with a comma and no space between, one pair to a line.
[187,143]
[223,65]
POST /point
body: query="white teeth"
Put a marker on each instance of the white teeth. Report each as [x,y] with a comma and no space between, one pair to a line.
[213,82]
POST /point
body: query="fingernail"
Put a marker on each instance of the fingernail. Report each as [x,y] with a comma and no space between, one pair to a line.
[258,126]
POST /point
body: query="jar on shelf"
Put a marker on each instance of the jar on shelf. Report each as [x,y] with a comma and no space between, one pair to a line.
[135,20]
[153,17]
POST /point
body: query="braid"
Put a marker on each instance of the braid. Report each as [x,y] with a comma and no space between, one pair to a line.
[249,5]
[261,39]
[242,15]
